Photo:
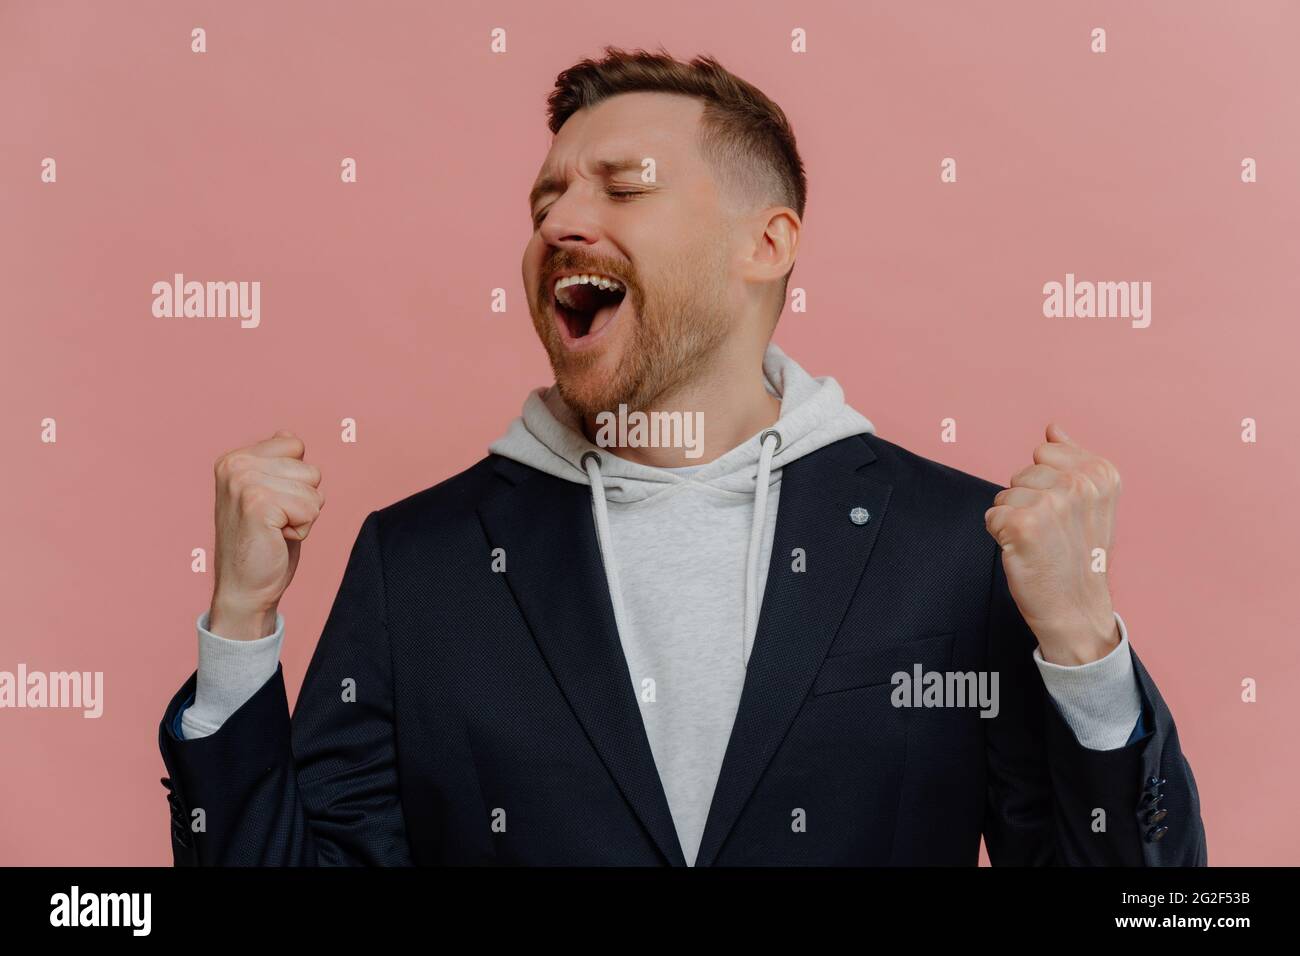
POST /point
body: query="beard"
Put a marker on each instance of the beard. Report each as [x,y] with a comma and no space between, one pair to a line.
[679,323]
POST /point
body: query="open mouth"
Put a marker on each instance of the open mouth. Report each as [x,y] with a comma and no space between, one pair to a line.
[587,303]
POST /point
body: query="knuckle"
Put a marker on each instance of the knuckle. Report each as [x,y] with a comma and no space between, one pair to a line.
[233,468]
[1078,483]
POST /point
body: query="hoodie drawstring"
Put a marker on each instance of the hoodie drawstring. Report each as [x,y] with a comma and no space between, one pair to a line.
[591,464]
[756,537]
[770,441]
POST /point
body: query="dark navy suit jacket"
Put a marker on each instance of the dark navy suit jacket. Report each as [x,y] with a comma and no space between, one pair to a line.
[495,721]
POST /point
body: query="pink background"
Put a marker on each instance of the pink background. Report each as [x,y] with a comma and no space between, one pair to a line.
[924,299]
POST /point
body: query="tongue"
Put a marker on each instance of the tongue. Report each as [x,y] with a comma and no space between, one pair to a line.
[602,316]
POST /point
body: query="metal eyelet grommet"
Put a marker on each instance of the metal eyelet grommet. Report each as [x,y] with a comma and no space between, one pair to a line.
[763,438]
[590,454]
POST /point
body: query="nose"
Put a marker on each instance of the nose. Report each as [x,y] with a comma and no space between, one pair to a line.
[570,221]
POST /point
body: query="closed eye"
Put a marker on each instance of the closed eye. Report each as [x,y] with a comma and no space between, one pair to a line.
[620,194]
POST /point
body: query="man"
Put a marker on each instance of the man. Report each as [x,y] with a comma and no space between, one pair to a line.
[778,640]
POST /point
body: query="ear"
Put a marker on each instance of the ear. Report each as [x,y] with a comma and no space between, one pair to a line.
[775,244]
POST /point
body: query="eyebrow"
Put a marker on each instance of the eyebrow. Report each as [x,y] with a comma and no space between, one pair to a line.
[555,184]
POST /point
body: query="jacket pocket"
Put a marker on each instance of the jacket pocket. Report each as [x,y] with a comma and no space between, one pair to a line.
[877,665]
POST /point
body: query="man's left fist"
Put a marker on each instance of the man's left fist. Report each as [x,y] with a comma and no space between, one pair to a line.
[1055,512]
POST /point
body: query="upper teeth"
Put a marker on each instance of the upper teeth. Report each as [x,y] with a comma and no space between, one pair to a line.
[601,282]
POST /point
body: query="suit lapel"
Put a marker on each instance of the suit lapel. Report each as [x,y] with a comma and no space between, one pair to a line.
[800,614]
[554,570]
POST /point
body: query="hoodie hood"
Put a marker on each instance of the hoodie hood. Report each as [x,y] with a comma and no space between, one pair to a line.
[548,436]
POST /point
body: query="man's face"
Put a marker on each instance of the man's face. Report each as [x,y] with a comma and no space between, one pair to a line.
[665,241]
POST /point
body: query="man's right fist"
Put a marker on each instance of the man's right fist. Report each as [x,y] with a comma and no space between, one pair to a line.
[267,500]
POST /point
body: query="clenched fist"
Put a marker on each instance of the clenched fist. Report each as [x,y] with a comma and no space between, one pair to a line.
[267,500]
[1055,512]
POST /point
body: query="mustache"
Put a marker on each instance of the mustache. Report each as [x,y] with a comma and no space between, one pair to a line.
[570,263]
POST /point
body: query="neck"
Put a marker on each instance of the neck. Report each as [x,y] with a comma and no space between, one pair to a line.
[716,413]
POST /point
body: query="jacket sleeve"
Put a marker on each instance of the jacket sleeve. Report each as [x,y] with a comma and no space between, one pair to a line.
[1053,801]
[317,789]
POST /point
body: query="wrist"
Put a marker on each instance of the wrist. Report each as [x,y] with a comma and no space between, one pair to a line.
[239,621]
[1079,648]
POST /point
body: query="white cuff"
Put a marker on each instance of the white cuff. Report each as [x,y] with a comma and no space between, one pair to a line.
[229,673]
[1100,700]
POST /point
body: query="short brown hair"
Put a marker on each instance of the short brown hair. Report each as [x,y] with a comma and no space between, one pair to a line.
[743,134]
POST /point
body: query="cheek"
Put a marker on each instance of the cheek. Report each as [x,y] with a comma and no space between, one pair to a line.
[531,267]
